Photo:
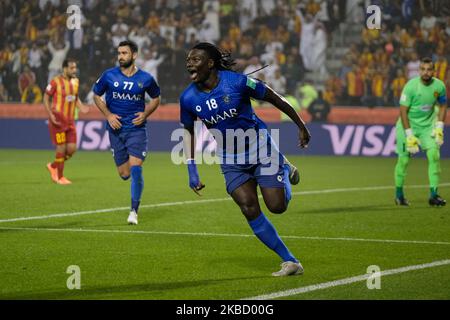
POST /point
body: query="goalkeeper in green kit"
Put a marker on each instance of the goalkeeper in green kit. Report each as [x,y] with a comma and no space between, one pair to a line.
[423,105]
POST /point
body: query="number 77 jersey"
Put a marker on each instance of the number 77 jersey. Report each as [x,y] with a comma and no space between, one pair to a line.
[125,96]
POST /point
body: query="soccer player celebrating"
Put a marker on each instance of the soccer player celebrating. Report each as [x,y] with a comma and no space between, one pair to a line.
[221,99]
[126,114]
[63,90]
[420,125]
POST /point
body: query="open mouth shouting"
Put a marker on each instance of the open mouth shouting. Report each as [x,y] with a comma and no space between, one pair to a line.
[193,74]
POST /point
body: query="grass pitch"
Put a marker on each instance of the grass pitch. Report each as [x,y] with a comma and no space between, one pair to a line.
[341,220]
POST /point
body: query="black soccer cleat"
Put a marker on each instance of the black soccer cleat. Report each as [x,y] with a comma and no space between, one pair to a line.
[294,175]
[402,201]
[437,201]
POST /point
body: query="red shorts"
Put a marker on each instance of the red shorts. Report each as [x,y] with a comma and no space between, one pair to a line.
[65,133]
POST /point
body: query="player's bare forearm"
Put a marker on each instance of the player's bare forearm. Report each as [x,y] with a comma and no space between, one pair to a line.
[141,117]
[442,112]
[51,116]
[82,107]
[47,104]
[284,106]
[113,119]
[101,105]
[152,106]
[404,117]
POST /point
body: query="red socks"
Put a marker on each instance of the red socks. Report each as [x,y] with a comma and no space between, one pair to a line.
[59,163]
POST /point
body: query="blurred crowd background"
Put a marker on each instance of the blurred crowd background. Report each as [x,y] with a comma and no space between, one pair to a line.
[320,52]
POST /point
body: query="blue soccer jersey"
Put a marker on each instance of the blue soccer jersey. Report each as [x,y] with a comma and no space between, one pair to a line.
[126,95]
[227,106]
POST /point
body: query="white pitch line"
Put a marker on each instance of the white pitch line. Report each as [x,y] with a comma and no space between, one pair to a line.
[188,202]
[210,234]
[207,234]
[345,281]
[80,213]
[369,240]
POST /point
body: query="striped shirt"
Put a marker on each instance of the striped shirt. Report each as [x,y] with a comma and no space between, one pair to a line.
[65,95]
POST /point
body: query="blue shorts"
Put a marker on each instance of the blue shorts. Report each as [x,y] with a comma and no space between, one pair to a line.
[128,143]
[267,175]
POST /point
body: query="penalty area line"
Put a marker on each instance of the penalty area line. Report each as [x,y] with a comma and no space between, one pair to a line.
[345,281]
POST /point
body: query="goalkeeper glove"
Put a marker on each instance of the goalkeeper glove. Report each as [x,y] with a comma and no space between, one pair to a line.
[412,142]
[438,133]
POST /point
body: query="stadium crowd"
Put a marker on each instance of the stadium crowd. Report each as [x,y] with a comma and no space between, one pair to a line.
[375,69]
[34,39]
[291,36]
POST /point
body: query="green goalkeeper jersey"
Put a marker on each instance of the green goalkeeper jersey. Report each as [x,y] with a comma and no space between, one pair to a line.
[421,101]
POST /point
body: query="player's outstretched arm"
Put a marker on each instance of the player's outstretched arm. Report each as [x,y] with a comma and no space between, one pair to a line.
[141,117]
[113,119]
[284,106]
[189,148]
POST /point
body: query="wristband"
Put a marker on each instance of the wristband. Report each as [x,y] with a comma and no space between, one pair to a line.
[409,132]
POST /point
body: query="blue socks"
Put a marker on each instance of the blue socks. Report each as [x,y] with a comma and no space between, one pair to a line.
[287,184]
[266,232]
[137,185]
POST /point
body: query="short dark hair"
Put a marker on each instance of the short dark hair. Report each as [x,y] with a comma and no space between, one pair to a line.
[131,44]
[222,59]
[427,60]
[67,61]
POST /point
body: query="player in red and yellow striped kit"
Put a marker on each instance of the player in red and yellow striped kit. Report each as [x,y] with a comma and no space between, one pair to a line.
[63,90]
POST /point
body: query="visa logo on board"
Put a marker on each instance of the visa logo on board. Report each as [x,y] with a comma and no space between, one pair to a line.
[92,135]
[360,140]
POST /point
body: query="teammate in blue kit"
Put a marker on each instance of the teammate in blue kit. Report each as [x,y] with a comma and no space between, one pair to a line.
[126,113]
[220,98]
